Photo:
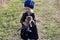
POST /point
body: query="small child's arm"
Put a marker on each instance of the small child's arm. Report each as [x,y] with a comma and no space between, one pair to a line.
[34,18]
[22,21]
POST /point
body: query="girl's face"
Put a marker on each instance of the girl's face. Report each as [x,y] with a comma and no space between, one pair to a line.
[28,10]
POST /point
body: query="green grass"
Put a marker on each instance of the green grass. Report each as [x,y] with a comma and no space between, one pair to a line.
[9,18]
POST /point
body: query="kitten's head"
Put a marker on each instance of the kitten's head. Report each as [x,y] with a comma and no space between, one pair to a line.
[29,18]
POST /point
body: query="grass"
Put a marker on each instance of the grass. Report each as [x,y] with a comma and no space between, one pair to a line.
[9,18]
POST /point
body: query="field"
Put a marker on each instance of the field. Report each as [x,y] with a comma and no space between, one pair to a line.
[47,15]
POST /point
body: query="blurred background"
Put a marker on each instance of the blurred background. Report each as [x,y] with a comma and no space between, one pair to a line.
[47,15]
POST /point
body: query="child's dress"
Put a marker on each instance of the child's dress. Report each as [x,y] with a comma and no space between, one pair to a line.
[25,34]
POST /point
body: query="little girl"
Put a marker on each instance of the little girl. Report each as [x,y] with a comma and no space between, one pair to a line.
[25,35]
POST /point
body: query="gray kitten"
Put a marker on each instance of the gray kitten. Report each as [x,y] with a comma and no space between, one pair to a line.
[29,21]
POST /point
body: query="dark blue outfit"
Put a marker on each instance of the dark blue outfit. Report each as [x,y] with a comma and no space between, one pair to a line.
[25,34]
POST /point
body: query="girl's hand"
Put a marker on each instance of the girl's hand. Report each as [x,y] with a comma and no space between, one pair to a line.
[25,24]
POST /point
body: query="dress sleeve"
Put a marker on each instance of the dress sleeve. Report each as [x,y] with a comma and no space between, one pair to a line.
[22,18]
[34,17]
